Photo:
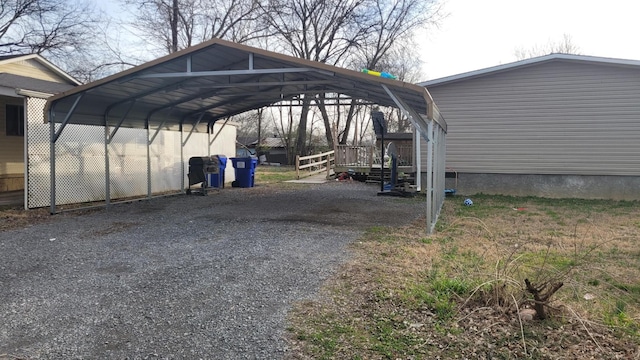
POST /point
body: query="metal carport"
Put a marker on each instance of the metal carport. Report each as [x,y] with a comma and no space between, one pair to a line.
[188,91]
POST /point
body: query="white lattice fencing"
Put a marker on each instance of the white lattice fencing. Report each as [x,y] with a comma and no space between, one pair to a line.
[38,180]
[88,171]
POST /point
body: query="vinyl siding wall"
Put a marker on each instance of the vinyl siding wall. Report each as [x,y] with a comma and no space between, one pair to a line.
[559,117]
[31,68]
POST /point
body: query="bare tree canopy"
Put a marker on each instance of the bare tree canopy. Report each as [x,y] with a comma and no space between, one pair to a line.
[56,29]
[319,30]
[355,33]
[172,25]
[389,27]
[564,46]
[38,26]
[388,22]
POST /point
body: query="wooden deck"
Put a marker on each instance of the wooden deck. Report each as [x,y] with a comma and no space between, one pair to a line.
[366,169]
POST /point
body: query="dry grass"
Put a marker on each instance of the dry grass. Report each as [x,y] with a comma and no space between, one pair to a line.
[15,217]
[457,294]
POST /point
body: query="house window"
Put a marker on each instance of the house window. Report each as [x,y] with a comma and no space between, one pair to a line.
[14,116]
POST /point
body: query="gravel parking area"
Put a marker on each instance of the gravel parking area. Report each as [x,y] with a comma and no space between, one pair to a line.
[183,277]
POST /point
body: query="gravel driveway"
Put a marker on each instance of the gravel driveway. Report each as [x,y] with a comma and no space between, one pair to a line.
[183,277]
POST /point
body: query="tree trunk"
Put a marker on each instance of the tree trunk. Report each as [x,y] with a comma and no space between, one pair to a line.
[347,125]
[301,143]
[174,26]
[325,119]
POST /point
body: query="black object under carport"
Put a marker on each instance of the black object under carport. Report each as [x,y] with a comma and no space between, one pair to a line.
[203,169]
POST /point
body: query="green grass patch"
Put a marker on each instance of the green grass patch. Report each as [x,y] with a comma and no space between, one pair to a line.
[438,293]
[326,341]
[274,174]
[391,339]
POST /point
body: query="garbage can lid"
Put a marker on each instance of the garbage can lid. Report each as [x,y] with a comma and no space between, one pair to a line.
[222,159]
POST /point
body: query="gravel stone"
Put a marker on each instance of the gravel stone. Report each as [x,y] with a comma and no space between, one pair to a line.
[182,277]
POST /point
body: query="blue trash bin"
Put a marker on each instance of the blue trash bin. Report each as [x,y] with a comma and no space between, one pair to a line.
[245,171]
[217,180]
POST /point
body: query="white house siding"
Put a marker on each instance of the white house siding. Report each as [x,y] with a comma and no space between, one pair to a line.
[558,117]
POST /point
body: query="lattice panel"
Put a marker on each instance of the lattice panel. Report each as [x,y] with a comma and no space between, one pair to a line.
[38,179]
[128,163]
[165,162]
[80,161]
[80,165]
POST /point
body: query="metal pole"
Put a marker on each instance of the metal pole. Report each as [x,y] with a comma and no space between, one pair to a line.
[418,161]
[181,158]
[52,162]
[382,161]
[209,129]
[148,160]
[107,177]
[25,145]
[429,175]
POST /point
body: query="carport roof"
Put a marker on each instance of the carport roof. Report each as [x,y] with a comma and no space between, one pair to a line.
[217,79]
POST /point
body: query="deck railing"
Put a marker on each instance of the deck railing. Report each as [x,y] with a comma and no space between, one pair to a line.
[366,156]
[357,156]
[314,164]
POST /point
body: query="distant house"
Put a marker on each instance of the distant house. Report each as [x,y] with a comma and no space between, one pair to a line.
[555,126]
[23,77]
[242,146]
[274,149]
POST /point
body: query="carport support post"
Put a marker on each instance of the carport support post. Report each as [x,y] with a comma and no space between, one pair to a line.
[181,158]
[429,175]
[107,177]
[418,160]
[148,160]
[52,162]
[209,129]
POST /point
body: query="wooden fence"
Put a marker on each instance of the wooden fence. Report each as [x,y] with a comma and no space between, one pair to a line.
[314,164]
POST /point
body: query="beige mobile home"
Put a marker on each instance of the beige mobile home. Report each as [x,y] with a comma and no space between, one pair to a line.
[22,77]
[554,126]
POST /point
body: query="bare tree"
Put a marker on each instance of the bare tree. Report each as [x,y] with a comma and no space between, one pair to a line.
[388,22]
[319,30]
[564,46]
[285,128]
[57,29]
[172,25]
[389,27]
[109,50]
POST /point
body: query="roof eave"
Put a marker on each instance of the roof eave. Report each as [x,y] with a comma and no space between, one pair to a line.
[46,63]
[528,62]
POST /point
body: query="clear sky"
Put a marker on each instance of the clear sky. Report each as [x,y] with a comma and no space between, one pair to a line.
[482,33]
